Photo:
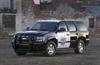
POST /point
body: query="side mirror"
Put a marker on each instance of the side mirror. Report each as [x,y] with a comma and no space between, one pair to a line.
[27,28]
[61,30]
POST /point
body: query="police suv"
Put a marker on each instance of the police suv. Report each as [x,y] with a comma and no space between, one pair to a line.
[49,35]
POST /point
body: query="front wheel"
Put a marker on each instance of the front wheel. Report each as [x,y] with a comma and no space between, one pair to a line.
[79,47]
[50,49]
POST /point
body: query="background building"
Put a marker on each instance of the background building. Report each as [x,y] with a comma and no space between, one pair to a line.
[8,10]
[17,15]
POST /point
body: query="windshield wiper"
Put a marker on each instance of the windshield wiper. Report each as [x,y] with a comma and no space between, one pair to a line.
[43,29]
[34,29]
[39,29]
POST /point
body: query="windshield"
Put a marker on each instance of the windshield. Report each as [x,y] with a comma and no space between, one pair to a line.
[44,26]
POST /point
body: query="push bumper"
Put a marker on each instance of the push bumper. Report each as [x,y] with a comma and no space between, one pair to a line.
[28,47]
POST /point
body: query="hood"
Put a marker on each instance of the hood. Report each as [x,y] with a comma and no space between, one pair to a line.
[36,33]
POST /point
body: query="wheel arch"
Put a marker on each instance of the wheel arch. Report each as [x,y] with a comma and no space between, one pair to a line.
[54,40]
[82,38]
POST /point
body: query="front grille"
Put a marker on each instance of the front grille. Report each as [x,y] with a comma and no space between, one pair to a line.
[24,39]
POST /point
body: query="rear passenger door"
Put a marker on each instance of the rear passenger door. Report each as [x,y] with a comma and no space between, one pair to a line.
[73,31]
[63,36]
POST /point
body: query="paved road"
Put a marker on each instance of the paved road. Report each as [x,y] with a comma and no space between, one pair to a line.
[65,57]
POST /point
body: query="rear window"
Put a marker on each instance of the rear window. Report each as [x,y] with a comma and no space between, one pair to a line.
[81,26]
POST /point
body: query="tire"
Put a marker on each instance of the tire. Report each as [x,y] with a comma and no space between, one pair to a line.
[79,49]
[20,53]
[50,48]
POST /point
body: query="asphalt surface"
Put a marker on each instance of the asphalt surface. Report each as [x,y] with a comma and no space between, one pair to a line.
[62,57]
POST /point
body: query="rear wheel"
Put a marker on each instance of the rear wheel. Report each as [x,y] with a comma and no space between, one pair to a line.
[79,47]
[50,49]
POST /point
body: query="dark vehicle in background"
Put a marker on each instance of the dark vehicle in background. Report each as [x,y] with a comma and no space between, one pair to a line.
[47,36]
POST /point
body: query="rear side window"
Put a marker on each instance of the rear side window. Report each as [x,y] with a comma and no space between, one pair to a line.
[71,26]
[80,26]
[62,25]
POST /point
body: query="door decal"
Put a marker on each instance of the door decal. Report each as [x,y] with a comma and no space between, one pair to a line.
[63,40]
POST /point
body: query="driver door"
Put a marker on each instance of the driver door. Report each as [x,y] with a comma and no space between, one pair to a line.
[63,36]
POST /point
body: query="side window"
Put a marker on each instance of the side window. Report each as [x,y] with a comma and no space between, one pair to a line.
[62,25]
[71,26]
[91,22]
[81,26]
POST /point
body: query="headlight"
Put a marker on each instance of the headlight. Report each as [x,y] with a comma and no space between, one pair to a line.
[40,39]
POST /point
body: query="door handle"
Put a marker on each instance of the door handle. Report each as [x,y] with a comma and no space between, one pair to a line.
[76,33]
[67,34]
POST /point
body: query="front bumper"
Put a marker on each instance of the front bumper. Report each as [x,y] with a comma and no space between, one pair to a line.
[28,47]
